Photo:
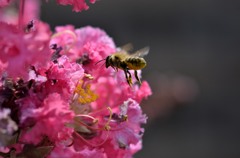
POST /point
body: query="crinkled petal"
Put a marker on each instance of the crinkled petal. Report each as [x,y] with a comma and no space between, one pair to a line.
[50,120]
[78,5]
[23,50]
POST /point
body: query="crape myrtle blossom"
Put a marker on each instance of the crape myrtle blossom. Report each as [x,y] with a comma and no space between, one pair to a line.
[20,50]
[56,102]
[4,3]
[78,5]
[10,14]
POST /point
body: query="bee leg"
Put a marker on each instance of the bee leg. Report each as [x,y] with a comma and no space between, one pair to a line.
[114,68]
[136,76]
[125,71]
[128,77]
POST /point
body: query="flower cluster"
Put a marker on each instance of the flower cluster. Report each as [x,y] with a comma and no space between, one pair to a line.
[56,102]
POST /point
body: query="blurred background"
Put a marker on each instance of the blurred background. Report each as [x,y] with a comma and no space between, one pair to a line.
[193,69]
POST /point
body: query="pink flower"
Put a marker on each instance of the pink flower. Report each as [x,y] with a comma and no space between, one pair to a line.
[118,131]
[61,78]
[50,120]
[110,93]
[10,15]
[43,107]
[126,134]
[143,92]
[65,74]
[78,5]
[61,101]
[66,152]
[4,3]
[22,50]
[86,45]
[95,42]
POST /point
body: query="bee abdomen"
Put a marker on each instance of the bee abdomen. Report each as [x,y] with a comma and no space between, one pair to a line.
[135,63]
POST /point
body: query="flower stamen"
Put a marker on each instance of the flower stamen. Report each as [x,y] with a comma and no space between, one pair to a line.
[89,143]
[107,127]
[85,95]
[67,32]
[89,76]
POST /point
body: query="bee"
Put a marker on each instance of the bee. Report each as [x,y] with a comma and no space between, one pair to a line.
[125,61]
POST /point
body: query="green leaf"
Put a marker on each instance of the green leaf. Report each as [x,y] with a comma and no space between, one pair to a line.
[31,151]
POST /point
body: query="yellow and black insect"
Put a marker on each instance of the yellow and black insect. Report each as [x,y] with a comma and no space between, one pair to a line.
[125,61]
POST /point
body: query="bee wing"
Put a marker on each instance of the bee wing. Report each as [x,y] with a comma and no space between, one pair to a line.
[126,48]
[141,52]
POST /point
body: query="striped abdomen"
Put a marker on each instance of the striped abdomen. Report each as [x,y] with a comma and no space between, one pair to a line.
[135,63]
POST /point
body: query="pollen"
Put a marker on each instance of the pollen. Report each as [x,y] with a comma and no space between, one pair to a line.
[85,94]
[88,76]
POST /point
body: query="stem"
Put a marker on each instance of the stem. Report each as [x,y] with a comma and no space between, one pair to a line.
[21,14]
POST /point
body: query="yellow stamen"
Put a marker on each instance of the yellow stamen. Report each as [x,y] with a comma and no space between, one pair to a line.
[85,95]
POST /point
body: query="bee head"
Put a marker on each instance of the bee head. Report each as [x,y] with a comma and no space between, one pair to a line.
[108,62]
